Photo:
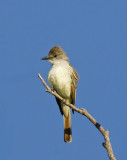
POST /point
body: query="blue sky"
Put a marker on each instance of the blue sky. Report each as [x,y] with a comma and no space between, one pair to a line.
[94,36]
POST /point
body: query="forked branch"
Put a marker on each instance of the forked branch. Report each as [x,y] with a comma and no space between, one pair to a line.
[105,133]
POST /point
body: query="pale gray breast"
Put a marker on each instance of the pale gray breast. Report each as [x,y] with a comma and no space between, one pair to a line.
[59,78]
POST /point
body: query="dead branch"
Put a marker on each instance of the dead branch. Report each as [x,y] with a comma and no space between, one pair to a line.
[105,133]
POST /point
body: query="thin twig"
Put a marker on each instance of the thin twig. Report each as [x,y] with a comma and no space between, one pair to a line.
[105,133]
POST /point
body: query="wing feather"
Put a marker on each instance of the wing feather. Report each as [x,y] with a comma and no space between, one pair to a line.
[75,78]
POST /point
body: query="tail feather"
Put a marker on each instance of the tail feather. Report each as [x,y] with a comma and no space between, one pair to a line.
[67,126]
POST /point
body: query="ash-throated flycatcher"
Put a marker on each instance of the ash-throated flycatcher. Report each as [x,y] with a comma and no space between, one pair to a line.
[63,79]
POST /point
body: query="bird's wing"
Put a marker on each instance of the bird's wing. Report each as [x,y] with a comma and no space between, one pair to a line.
[59,104]
[74,77]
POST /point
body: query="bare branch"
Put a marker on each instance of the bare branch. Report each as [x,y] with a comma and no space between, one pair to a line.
[105,133]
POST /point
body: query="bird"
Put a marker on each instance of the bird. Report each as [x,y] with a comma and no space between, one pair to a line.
[63,79]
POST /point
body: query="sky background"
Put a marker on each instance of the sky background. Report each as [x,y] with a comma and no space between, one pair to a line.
[94,36]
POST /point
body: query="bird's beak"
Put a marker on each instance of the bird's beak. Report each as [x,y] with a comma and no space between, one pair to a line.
[45,58]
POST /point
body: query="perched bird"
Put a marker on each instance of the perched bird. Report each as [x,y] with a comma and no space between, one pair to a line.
[63,79]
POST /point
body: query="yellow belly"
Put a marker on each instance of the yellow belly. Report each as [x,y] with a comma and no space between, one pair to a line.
[59,79]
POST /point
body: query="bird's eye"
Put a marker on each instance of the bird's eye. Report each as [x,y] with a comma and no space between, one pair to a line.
[55,55]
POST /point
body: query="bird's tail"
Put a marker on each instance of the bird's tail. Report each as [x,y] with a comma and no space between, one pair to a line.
[67,125]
